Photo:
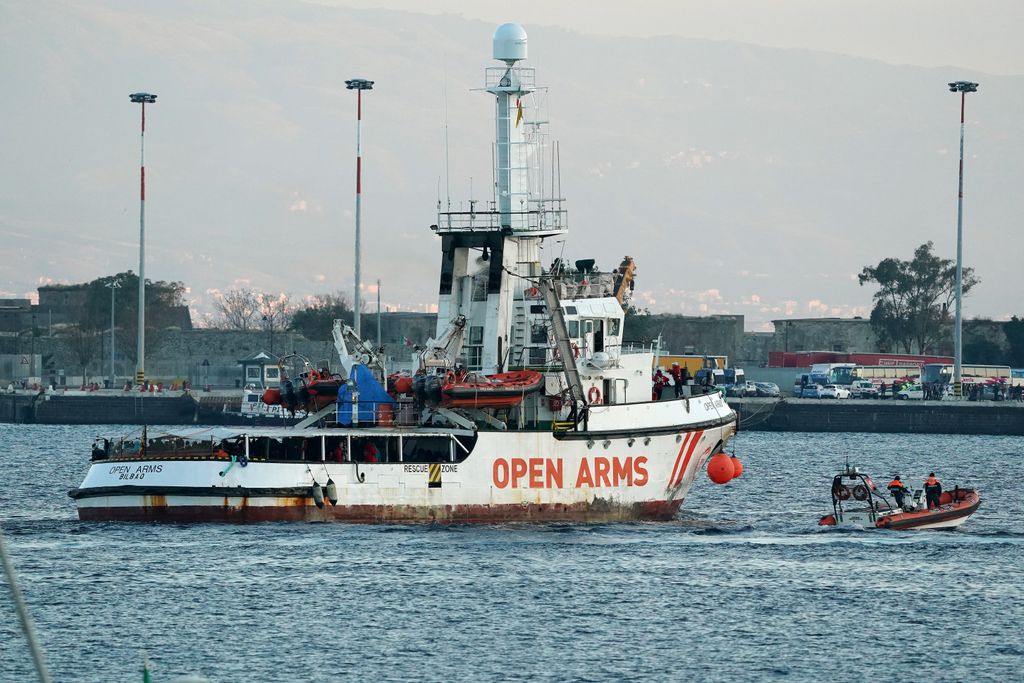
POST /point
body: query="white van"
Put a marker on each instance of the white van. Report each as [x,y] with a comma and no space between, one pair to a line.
[863,388]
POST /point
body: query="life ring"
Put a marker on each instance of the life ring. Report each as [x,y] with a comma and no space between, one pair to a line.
[843,492]
[576,351]
[449,377]
[860,492]
[594,395]
[532,292]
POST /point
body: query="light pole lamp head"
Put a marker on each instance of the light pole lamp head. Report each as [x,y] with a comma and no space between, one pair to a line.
[963,86]
[142,97]
[115,284]
[359,84]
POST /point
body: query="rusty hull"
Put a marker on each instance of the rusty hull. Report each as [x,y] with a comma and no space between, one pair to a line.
[300,509]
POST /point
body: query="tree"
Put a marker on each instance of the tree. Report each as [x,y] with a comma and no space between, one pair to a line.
[165,307]
[316,319]
[1014,331]
[275,311]
[912,304]
[237,309]
[84,343]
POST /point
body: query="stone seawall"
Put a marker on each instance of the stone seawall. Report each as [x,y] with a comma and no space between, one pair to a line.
[899,417]
[127,410]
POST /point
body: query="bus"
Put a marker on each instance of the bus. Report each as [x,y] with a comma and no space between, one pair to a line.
[937,373]
[877,374]
[832,373]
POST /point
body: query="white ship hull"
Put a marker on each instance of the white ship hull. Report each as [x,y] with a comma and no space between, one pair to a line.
[612,474]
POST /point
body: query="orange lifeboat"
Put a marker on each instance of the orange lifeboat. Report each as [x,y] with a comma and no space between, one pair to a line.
[502,390]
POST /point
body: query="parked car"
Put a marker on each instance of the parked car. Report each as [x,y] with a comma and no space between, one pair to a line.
[734,390]
[740,389]
[913,392]
[767,389]
[862,388]
[834,391]
[811,391]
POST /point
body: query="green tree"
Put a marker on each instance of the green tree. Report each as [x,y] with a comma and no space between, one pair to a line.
[165,308]
[983,351]
[1014,331]
[913,301]
[316,320]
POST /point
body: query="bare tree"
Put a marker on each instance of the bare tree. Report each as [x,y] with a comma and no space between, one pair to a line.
[84,344]
[237,309]
[275,311]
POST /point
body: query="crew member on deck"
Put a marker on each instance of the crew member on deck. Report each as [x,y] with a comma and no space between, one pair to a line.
[897,489]
[677,378]
[660,380]
[932,490]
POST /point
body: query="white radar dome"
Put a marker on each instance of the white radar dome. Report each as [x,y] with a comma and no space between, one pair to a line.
[510,43]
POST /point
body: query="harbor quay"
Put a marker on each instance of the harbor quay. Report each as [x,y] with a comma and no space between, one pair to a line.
[997,418]
[756,414]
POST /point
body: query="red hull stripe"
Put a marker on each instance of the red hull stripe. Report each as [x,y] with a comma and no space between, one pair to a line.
[679,457]
[689,453]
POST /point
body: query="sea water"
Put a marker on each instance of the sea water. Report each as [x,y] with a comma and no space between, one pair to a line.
[742,586]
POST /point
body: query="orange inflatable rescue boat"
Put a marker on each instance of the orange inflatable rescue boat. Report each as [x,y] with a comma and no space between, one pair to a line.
[857,501]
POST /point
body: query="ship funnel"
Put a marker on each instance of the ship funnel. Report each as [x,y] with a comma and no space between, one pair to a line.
[510,43]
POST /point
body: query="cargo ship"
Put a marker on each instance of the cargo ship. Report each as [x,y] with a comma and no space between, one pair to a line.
[525,406]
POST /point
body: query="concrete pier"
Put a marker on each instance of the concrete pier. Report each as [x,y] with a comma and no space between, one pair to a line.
[899,417]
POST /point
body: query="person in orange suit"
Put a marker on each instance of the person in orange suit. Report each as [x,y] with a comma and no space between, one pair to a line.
[932,491]
[897,489]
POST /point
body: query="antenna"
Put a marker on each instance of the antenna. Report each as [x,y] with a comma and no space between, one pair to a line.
[558,153]
[447,175]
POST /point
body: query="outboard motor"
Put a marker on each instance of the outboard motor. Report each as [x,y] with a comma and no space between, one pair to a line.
[432,390]
[419,388]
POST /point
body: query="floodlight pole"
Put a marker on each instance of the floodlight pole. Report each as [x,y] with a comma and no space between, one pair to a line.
[142,98]
[359,85]
[113,285]
[962,87]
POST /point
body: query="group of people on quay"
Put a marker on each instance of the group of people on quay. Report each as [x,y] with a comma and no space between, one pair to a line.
[973,392]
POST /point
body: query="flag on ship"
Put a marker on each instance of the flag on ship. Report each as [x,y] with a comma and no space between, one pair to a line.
[519,111]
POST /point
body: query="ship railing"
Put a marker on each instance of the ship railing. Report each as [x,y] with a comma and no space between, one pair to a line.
[542,220]
[590,286]
[511,79]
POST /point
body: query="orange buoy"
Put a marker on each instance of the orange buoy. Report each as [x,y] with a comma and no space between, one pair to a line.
[737,466]
[720,469]
[272,396]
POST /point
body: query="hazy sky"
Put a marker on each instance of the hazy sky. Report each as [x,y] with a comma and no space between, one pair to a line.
[983,35]
[744,179]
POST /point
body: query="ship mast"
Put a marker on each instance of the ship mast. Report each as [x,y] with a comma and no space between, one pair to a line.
[490,256]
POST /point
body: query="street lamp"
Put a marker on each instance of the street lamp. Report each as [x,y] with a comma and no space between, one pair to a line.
[113,285]
[359,85]
[32,355]
[142,98]
[962,87]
